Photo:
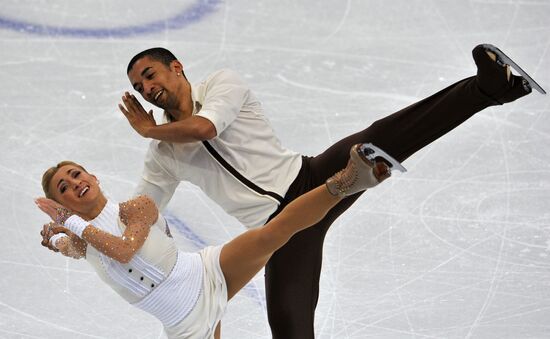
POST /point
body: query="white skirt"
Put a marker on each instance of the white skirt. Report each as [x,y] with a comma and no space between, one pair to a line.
[201,322]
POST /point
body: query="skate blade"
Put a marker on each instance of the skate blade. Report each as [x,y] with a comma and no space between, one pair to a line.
[372,153]
[506,60]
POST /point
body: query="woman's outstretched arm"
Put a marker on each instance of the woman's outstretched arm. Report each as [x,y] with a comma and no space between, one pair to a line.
[137,214]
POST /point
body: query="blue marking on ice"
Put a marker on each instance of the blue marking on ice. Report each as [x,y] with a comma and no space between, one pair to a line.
[186,16]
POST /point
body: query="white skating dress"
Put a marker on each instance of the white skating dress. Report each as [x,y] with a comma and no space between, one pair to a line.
[185,291]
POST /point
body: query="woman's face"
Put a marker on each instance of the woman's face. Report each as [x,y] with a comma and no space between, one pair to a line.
[75,189]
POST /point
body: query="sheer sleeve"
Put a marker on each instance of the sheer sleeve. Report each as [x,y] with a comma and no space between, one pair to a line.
[138,215]
[72,247]
[140,210]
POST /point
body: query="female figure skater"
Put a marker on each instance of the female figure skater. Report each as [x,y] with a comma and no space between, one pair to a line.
[188,292]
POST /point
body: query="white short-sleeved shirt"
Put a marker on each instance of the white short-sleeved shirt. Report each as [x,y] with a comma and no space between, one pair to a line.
[258,169]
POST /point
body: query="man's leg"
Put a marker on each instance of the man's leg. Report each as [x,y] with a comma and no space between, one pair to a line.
[293,273]
[403,133]
[292,279]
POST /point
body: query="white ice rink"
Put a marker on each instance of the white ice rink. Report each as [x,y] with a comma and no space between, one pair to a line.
[458,247]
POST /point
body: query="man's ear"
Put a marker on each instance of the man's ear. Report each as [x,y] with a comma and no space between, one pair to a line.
[176,66]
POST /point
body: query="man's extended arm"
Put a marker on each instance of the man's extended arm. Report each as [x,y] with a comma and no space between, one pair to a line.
[220,106]
[191,129]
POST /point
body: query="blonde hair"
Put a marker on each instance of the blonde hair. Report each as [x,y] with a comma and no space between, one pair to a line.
[50,172]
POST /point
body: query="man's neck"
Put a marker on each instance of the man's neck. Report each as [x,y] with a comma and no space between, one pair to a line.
[181,114]
[185,109]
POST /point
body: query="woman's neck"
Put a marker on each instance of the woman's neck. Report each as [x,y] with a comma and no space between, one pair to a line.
[96,209]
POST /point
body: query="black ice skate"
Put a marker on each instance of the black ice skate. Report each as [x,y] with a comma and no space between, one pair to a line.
[503,59]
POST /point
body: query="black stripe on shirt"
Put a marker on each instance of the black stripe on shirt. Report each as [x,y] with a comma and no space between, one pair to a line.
[238,175]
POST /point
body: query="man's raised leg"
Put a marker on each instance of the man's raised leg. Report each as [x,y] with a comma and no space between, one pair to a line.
[293,272]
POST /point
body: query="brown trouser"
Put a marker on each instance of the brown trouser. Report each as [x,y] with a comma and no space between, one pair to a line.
[292,274]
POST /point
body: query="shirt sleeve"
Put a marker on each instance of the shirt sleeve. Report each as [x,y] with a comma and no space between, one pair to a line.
[225,95]
[156,182]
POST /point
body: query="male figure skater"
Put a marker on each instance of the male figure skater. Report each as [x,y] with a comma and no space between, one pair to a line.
[218,138]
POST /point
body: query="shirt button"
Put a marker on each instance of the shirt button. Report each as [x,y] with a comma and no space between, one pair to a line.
[130,270]
[141,278]
[152,285]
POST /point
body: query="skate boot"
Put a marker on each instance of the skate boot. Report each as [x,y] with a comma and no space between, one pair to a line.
[360,174]
[503,59]
[495,79]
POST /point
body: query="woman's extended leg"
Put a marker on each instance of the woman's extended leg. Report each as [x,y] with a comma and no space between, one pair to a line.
[247,254]
[244,256]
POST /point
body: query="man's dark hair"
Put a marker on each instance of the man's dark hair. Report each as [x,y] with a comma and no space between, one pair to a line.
[157,53]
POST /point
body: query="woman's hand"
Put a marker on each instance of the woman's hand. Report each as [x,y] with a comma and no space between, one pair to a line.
[70,246]
[47,233]
[57,212]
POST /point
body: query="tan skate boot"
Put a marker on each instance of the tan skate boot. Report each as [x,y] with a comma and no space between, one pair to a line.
[359,174]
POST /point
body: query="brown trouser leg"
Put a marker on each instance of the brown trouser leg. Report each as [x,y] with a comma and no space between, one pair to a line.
[292,274]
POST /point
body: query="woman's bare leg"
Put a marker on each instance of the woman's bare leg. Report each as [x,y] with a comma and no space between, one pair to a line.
[247,254]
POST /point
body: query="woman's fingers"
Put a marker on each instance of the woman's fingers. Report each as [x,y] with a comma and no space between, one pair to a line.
[59,229]
[48,203]
[45,231]
[46,234]
[44,208]
[47,206]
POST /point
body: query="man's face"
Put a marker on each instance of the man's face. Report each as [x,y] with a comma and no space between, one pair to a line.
[157,83]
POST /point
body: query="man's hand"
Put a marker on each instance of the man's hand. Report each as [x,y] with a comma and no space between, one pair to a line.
[140,120]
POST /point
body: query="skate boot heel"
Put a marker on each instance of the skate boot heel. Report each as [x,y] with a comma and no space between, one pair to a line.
[358,175]
[373,153]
